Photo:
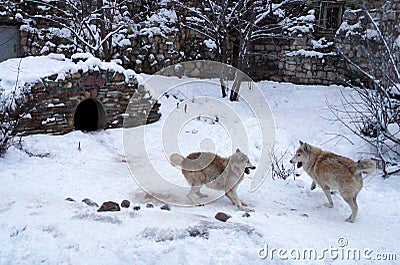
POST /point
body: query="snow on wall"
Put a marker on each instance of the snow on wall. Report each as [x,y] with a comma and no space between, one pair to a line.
[397,42]
[310,53]
[45,66]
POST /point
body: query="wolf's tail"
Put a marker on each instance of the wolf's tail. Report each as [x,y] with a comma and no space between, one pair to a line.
[367,166]
[176,160]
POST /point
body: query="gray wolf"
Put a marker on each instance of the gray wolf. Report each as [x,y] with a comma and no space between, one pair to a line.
[215,172]
[334,172]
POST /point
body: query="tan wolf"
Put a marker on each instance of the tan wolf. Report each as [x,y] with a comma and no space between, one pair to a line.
[215,172]
[334,172]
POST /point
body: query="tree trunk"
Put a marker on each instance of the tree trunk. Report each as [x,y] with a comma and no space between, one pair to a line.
[223,84]
[236,86]
[244,44]
[223,59]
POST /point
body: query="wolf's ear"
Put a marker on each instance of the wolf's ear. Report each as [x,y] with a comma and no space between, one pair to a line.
[301,143]
[237,150]
[307,147]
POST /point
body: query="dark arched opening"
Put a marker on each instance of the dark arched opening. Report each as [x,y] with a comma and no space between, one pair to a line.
[89,116]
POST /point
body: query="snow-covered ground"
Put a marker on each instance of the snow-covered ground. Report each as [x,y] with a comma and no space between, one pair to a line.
[39,226]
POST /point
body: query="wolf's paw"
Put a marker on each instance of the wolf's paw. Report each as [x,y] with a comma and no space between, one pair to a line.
[349,220]
[328,205]
[194,202]
[246,209]
[244,204]
[201,195]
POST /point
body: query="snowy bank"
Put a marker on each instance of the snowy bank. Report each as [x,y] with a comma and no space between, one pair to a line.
[19,72]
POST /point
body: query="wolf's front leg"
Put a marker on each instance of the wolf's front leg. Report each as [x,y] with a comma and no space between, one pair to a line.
[233,201]
[227,194]
[232,195]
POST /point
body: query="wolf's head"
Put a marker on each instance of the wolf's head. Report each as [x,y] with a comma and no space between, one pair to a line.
[241,161]
[302,154]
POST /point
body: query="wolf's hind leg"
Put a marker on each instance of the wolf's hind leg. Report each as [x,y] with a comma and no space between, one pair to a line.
[201,195]
[352,201]
[328,195]
[194,190]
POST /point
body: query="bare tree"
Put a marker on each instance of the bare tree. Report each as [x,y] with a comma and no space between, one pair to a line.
[212,20]
[92,23]
[240,22]
[278,169]
[14,106]
[374,114]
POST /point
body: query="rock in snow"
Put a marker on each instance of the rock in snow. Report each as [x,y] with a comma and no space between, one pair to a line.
[222,216]
[109,206]
[166,207]
[90,202]
[125,203]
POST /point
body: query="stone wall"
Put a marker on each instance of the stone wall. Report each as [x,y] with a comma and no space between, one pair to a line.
[306,69]
[298,60]
[57,101]
[148,47]
[141,50]
[359,40]
[295,60]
